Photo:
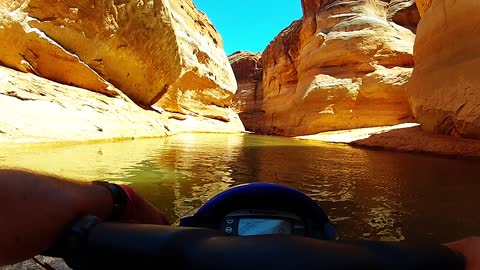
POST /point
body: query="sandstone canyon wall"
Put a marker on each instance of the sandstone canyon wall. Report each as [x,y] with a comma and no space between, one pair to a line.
[444,90]
[343,65]
[162,55]
[423,6]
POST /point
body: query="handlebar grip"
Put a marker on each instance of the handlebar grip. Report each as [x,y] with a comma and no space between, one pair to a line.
[152,247]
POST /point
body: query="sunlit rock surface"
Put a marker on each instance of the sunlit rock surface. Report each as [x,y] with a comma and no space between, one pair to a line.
[343,65]
[247,102]
[352,135]
[35,109]
[406,137]
[444,89]
[164,54]
[415,140]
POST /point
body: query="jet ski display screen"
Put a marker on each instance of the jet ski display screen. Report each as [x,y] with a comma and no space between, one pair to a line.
[259,226]
[262,209]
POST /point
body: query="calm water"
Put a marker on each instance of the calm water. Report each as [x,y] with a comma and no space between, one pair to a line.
[368,194]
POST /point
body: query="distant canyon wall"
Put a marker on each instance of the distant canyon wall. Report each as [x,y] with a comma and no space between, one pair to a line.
[444,90]
[248,100]
[162,56]
[343,65]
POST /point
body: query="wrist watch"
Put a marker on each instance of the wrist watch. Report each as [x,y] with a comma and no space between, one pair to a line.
[119,198]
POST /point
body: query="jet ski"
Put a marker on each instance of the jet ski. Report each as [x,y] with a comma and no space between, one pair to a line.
[252,226]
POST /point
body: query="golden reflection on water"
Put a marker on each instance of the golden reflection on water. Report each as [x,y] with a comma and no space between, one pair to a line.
[369,194]
[85,162]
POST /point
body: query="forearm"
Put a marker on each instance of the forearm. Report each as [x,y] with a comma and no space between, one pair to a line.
[35,209]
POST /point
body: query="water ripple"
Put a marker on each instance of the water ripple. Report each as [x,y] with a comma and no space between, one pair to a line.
[368,194]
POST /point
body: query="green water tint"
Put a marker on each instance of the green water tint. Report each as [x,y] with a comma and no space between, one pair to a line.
[369,194]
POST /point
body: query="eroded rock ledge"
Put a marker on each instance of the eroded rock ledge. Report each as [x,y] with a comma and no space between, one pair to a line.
[415,140]
[407,137]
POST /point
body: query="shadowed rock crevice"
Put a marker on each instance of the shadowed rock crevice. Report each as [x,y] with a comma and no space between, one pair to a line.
[404,13]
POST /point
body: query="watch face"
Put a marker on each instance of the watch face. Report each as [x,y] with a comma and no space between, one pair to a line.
[259,226]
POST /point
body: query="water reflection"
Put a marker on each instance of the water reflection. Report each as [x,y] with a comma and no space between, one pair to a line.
[369,194]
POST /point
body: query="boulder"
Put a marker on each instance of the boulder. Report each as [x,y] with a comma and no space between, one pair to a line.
[344,65]
[444,90]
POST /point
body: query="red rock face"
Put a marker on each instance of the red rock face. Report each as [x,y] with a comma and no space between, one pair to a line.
[342,66]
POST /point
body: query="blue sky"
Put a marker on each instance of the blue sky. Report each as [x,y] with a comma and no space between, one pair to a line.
[249,25]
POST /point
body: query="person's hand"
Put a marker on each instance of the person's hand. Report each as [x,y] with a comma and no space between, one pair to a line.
[470,248]
[138,210]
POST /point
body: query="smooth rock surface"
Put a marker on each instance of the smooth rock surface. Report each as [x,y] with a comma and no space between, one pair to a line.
[444,90]
[342,66]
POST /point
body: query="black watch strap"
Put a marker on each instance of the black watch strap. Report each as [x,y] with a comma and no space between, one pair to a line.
[119,198]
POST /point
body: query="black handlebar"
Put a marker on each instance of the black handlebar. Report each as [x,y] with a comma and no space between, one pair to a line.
[122,246]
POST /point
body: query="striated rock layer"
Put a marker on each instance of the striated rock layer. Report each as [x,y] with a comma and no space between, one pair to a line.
[164,54]
[343,65]
[248,98]
[444,90]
